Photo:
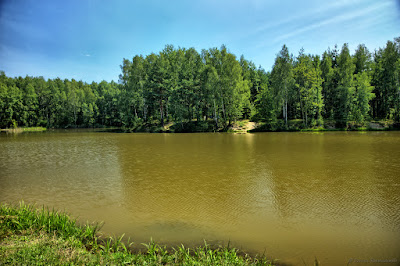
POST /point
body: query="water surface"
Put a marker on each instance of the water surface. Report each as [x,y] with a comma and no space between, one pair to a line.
[296,196]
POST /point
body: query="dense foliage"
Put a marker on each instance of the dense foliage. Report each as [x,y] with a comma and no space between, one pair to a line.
[181,85]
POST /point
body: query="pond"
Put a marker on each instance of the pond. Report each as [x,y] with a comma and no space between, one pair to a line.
[333,196]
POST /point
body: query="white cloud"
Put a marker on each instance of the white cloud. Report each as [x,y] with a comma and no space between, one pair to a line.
[311,13]
[351,15]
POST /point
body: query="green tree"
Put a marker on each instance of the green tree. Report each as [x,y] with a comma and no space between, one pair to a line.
[265,99]
[362,96]
[43,99]
[235,90]
[308,84]
[160,82]
[386,84]
[133,98]
[318,103]
[343,93]
[250,75]
[11,105]
[397,92]
[186,102]
[30,103]
[328,85]
[362,59]
[385,81]
[211,84]
[282,81]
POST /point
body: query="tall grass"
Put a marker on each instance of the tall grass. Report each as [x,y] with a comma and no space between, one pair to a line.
[43,236]
[26,217]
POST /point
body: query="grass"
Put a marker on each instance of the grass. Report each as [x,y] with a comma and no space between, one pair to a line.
[34,129]
[31,236]
[24,129]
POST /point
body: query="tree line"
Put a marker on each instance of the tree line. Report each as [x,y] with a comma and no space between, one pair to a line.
[182,85]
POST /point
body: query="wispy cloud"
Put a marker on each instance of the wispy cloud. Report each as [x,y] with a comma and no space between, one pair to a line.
[86,54]
[349,16]
[305,15]
[16,27]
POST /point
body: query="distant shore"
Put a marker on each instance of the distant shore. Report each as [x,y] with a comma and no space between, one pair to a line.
[240,127]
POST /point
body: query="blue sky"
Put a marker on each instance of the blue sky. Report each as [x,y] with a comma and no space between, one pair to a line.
[87,39]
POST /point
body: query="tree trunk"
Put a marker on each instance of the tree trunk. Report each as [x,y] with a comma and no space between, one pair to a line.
[144,109]
[301,109]
[215,116]
[306,119]
[161,113]
[75,116]
[166,110]
[285,111]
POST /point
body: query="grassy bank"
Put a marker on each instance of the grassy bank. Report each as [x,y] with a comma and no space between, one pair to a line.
[32,236]
[23,129]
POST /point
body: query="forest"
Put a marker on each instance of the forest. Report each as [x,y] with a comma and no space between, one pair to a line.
[214,87]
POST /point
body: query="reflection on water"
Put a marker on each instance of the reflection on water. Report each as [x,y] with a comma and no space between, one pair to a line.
[298,196]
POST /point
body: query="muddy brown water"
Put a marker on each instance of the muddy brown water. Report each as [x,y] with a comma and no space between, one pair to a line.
[334,196]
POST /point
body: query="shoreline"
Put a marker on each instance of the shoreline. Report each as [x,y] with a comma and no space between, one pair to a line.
[42,236]
[238,127]
[23,129]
